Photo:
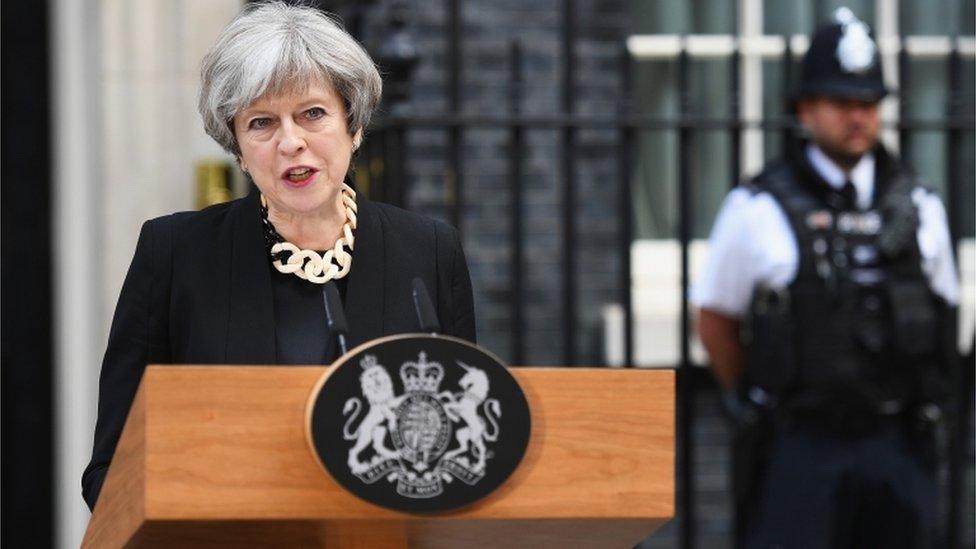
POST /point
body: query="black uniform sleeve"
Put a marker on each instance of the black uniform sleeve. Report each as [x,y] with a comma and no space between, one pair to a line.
[130,346]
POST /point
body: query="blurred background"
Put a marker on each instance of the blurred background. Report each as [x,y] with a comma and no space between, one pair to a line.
[581,146]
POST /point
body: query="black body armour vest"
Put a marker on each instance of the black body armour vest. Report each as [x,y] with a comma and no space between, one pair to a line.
[857,328]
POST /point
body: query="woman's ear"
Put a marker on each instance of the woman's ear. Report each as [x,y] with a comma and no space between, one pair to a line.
[357,139]
[240,162]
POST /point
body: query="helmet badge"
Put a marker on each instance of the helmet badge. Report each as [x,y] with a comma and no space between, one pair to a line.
[856,50]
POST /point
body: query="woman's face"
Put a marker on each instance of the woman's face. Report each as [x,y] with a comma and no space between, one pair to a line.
[296,147]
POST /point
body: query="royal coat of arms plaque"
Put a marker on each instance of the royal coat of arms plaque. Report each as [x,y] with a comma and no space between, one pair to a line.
[419,423]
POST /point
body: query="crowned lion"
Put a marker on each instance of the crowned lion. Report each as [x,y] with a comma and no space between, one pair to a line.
[377,387]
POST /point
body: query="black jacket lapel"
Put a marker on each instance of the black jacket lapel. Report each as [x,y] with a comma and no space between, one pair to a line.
[251,326]
[365,293]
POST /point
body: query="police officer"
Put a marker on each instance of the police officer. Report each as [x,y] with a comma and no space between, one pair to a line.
[827,306]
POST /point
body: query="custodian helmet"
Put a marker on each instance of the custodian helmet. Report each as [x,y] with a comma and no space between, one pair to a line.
[843,62]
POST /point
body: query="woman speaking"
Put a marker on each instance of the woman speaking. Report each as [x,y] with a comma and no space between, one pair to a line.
[289,93]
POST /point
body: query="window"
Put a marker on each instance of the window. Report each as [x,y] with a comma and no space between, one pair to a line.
[737,71]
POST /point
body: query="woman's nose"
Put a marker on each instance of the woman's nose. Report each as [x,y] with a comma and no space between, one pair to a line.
[292,139]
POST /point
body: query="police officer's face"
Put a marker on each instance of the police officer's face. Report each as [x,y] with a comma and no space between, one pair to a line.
[844,128]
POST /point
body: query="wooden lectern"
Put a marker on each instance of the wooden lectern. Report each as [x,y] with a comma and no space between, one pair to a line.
[216,456]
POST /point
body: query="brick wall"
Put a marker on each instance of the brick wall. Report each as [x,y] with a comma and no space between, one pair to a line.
[488,32]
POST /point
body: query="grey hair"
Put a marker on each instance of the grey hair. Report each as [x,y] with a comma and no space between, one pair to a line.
[272,48]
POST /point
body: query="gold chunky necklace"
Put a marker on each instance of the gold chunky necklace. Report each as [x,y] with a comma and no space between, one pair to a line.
[309,264]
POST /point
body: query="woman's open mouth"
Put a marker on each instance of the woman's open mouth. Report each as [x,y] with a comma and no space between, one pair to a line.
[300,176]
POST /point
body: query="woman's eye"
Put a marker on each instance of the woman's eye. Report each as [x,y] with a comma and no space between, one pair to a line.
[314,113]
[259,123]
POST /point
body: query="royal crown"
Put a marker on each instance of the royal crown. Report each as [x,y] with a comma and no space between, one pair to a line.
[421,375]
[368,362]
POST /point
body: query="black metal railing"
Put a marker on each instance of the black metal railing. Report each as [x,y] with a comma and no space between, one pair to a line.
[382,171]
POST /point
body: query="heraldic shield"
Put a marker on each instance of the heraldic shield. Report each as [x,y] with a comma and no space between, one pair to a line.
[419,423]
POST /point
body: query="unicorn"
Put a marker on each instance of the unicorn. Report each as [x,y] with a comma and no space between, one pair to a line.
[465,406]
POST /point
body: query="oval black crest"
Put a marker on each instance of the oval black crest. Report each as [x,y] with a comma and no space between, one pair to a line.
[419,423]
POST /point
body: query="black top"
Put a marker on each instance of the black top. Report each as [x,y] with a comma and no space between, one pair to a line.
[200,291]
[301,331]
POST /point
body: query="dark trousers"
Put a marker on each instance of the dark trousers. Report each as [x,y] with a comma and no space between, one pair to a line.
[827,491]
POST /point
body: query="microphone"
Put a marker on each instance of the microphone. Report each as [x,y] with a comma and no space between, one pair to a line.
[334,315]
[424,308]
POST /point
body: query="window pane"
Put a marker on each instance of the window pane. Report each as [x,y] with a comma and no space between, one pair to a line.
[967,20]
[924,97]
[711,152]
[967,94]
[787,17]
[803,16]
[945,17]
[966,194]
[710,178]
[710,80]
[967,152]
[923,89]
[776,103]
[684,17]
[710,161]
[655,201]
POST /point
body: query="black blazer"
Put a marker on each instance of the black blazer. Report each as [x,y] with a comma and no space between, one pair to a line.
[199,292]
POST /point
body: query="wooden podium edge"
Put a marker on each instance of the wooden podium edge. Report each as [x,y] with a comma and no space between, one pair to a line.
[429,533]
[120,510]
